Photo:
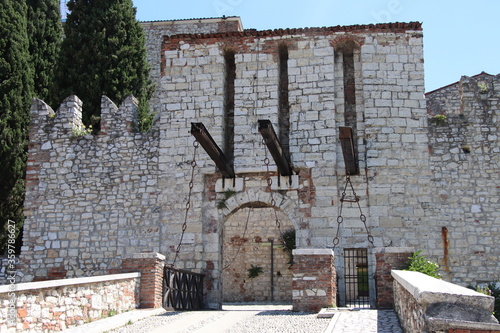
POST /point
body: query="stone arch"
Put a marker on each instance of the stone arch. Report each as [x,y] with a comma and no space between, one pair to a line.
[347,43]
[244,199]
[250,238]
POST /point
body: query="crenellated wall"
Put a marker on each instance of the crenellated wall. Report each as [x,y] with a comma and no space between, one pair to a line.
[90,200]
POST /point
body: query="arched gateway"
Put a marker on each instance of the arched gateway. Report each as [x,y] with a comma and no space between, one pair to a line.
[257,262]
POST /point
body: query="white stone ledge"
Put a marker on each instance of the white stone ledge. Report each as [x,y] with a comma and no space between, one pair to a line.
[428,290]
[312,252]
[148,255]
[66,282]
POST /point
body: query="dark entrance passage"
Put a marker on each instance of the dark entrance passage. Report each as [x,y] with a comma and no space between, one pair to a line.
[357,291]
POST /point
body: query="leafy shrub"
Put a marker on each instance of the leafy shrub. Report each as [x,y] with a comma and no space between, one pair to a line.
[288,240]
[491,289]
[254,271]
[419,263]
[494,290]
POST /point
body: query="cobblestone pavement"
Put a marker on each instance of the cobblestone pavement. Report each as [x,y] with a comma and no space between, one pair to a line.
[268,318]
[365,321]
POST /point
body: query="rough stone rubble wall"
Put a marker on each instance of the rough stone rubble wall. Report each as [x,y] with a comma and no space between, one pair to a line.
[53,309]
[91,200]
[465,159]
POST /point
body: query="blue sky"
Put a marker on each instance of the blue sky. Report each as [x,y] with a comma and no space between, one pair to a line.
[460,37]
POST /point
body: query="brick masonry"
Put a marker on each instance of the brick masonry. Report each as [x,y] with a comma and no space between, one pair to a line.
[150,265]
[387,260]
[94,201]
[314,280]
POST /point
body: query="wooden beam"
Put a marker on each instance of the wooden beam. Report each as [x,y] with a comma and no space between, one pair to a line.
[347,143]
[201,134]
[273,144]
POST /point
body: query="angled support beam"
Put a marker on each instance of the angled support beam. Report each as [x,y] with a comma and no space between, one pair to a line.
[273,144]
[347,143]
[201,134]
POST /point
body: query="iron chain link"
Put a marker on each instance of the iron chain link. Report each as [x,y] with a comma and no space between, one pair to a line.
[269,183]
[188,203]
[340,219]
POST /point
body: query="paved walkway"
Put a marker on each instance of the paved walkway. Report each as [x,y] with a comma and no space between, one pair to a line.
[365,321]
[246,319]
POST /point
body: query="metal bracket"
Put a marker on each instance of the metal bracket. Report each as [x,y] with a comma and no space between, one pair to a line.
[202,135]
[273,144]
[347,143]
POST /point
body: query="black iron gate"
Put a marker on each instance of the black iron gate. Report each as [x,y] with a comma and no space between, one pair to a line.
[182,290]
[357,291]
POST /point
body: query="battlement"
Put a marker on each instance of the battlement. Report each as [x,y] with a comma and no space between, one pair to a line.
[67,121]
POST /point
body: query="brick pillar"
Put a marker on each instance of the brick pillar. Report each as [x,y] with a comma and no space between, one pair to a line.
[314,283]
[389,258]
[150,265]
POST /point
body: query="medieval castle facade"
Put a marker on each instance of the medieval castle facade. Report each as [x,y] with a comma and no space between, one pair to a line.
[424,181]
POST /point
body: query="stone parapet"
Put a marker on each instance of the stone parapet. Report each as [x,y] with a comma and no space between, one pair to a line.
[56,305]
[314,279]
[426,304]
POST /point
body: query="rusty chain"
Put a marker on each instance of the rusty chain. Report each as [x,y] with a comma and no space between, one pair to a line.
[340,219]
[269,183]
[188,203]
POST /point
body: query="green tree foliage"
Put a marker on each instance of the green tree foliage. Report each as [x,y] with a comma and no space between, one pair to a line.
[45,36]
[104,53]
[16,84]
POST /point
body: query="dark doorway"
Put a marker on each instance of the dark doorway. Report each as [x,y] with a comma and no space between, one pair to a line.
[357,290]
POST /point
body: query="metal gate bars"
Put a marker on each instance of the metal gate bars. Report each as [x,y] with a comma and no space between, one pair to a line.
[356,278]
[182,290]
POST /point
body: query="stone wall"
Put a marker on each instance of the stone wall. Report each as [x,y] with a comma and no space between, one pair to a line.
[90,200]
[57,305]
[426,304]
[465,159]
[155,30]
[392,138]
[94,200]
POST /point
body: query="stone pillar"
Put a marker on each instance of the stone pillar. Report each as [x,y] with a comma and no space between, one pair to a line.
[389,258]
[150,265]
[314,280]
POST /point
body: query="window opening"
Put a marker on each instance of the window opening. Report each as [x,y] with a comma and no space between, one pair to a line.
[283,101]
[228,126]
[350,117]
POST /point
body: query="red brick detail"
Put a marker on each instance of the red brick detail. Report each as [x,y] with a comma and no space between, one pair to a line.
[385,263]
[151,284]
[313,273]
[57,273]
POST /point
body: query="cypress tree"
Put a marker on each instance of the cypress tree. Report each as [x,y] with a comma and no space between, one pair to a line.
[45,36]
[16,84]
[103,53]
